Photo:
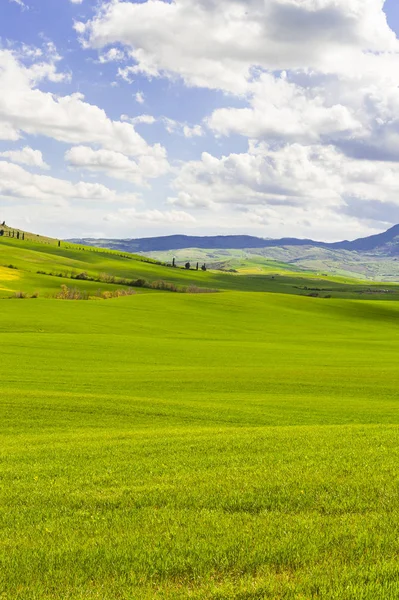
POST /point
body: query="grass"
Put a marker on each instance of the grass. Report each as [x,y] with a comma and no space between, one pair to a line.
[215,446]
[35,258]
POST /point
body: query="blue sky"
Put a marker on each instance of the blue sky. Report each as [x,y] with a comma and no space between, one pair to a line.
[270,117]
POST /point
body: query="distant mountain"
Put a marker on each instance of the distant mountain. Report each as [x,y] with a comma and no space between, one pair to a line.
[386,243]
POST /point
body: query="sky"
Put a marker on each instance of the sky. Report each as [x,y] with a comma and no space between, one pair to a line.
[126,119]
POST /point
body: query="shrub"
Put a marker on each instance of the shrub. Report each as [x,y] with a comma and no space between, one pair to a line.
[139,283]
[68,293]
[164,285]
[107,294]
[82,276]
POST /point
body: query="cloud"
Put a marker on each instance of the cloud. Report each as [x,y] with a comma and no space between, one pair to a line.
[314,181]
[217,44]
[310,71]
[16,182]
[140,119]
[139,97]
[286,111]
[25,108]
[117,165]
[26,156]
[76,1]
[188,131]
[113,55]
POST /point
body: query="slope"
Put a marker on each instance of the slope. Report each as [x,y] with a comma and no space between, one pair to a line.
[38,266]
[211,446]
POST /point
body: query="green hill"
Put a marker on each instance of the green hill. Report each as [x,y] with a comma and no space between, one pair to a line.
[40,266]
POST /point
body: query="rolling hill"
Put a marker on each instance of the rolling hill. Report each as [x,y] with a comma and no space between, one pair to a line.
[30,264]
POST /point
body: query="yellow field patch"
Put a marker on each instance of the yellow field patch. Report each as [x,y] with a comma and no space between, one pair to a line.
[8,274]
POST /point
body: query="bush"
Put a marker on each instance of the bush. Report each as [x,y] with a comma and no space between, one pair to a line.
[82,276]
[139,283]
[164,285]
[107,294]
[68,293]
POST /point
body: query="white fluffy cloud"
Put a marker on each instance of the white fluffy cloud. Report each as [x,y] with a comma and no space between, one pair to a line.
[26,156]
[25,108]
[317,82]
[117,165]
[293,180]
[287,111]
[16,182]
[218,43]
[113,55]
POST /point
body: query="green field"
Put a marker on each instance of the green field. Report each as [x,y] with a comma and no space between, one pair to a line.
[233,445]
[40,267]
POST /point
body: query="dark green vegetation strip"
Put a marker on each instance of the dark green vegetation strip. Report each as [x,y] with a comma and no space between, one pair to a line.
[168,446]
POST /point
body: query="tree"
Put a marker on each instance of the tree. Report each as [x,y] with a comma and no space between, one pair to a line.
[173,262]
[197,267]
[187,265]
[203,267]
[17,235]
[59,243]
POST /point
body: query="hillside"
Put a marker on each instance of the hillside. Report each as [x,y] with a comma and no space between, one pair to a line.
[340,263]
[34,265]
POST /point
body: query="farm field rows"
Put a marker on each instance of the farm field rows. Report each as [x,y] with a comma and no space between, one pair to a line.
[210,446]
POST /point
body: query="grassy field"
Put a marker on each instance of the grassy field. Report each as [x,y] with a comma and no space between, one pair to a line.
[38,266]
[216,446]
[236,445]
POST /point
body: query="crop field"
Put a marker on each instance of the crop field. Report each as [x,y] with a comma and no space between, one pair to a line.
[233,445]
